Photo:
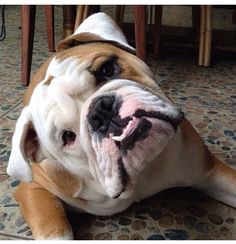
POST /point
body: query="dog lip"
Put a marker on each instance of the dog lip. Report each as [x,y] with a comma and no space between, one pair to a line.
[174,121]
[131,126]
[123,177]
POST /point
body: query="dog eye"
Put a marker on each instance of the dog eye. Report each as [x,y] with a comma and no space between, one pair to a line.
[68,137]
[107,71]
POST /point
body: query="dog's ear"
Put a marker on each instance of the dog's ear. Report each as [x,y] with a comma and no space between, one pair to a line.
[25,148]
[98,27]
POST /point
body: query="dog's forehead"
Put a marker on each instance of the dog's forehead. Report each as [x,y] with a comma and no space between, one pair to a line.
[84,50]
[132,66]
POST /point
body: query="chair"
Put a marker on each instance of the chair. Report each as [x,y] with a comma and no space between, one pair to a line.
[205,31]
[73,18]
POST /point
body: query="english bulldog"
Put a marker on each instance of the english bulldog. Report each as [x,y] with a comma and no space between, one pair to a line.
[98,134]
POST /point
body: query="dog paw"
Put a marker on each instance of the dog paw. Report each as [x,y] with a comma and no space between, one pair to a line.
[55,236]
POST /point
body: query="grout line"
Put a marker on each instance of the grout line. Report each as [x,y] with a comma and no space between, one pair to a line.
[4,114]
[15,236]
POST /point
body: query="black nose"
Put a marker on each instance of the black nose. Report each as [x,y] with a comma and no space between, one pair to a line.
[101,111]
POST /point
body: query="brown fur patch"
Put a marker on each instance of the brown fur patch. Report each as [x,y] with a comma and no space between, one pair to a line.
[190,136]
[48,81]
[38,206]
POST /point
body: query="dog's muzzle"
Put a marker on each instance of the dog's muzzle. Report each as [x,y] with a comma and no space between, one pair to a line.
[104,119]
[128,127]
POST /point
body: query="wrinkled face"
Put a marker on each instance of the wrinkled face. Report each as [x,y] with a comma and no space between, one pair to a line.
[125,126]
[93,116]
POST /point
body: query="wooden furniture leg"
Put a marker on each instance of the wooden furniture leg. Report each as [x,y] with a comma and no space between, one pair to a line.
[27,39]
[208,35]
[81,14]
[202,34]
[120,10]
[140,30]
[27,32]
[157,30]
[49,16]
[69,13]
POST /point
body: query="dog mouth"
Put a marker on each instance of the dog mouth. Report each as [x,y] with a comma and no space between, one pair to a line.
[133,127]
[138,126]
[136,130]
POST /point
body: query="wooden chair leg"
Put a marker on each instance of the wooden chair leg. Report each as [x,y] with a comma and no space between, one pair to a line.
[81,14]
[157,30]
[27,32]
[202,34]
[86,12]
[49,16]
[208,36]
[119,16]
[69,13]
[140,30]
[196,19]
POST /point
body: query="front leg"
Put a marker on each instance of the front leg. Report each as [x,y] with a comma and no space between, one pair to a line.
[43,212]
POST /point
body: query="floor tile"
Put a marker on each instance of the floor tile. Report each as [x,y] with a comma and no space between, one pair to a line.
[11,95]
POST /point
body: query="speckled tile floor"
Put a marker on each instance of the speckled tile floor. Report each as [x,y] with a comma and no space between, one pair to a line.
[206,95]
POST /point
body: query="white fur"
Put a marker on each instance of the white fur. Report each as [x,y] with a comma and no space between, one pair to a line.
[105,27]
[57,110]
[18,165]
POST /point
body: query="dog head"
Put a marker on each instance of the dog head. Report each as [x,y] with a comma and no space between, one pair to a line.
[98,112]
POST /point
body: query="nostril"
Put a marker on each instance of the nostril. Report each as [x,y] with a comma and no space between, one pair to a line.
[95,122]
[107,103]
[101,112]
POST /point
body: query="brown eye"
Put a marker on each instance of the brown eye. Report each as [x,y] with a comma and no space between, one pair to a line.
[68,137]
[108,70]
